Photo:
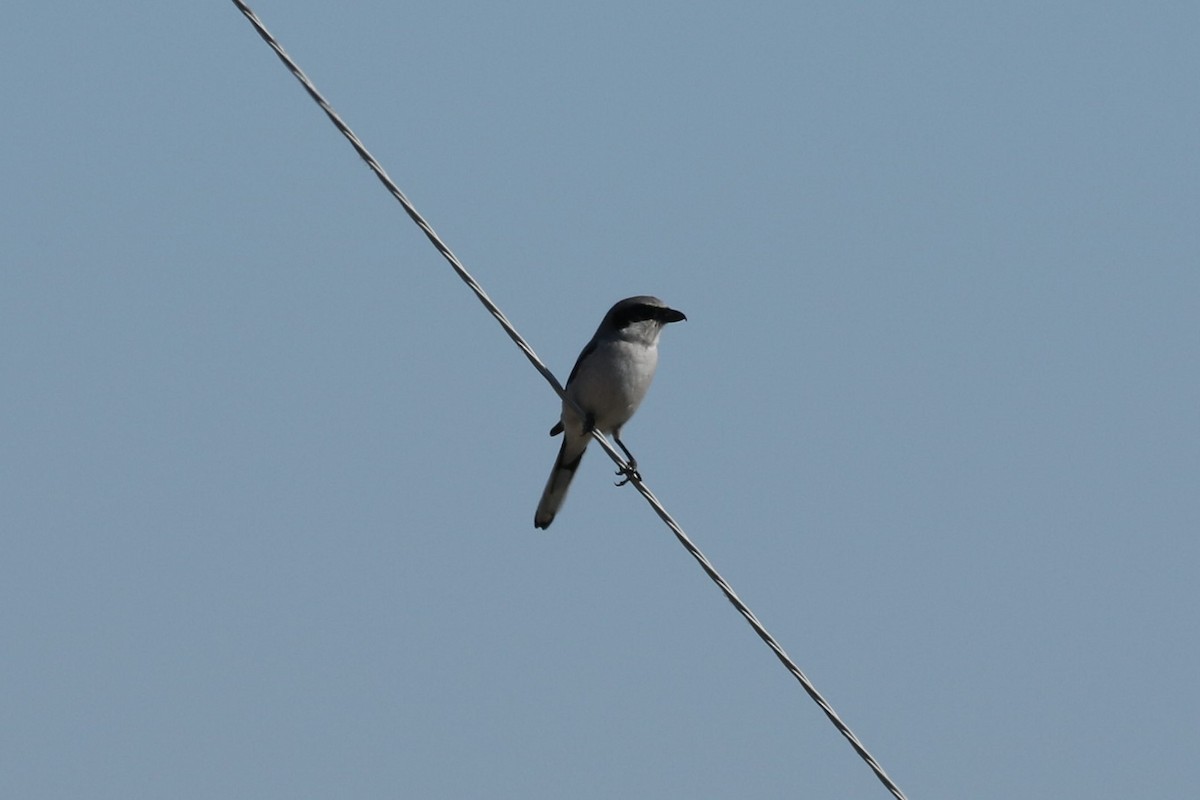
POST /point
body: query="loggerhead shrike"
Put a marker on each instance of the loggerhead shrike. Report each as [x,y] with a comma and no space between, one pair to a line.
[607,383]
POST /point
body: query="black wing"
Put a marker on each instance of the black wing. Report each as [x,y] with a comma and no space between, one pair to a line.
[587,351]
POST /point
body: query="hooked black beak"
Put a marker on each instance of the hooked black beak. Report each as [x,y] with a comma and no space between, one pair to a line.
[671,315]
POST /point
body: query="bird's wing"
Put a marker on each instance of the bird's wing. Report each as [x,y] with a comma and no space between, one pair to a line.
[587,351]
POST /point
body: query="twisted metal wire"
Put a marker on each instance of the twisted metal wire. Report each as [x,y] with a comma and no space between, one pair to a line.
[525,348]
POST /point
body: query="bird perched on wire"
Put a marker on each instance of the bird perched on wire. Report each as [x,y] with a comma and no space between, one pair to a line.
[607,385]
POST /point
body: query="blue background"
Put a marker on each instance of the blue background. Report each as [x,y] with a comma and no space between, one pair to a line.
[268,470]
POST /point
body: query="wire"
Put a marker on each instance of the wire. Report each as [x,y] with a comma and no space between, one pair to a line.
[525,348]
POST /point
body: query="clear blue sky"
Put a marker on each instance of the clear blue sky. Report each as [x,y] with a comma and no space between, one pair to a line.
[269,470]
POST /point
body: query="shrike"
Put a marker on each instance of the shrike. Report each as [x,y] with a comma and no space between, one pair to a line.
[608,382]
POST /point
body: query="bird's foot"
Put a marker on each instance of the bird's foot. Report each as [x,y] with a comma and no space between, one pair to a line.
[628,473]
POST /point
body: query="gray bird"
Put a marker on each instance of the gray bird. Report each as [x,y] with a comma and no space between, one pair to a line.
[608,383]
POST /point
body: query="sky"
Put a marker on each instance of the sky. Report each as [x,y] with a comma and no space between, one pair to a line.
[269,469]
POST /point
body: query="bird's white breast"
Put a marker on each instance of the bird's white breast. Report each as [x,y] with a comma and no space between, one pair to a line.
[612,382]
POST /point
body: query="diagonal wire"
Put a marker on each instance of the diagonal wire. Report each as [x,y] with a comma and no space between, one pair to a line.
[525,348]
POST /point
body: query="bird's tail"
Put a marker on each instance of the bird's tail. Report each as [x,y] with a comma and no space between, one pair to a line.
[569,456]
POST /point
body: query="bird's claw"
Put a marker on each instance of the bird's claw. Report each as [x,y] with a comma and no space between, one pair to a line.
[628,473]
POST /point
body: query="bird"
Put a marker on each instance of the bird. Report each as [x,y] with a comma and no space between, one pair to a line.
[607,384]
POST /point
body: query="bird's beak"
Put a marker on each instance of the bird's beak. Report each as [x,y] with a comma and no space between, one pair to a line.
[671,315]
